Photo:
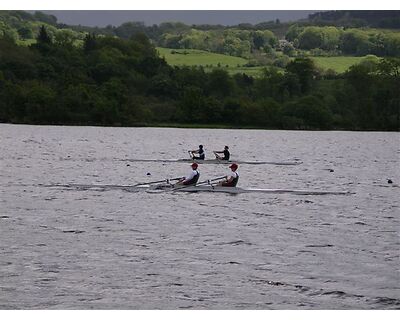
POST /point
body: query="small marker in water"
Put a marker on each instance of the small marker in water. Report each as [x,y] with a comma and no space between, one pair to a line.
[148,173]
[128,165]
[331,170]
[390,181]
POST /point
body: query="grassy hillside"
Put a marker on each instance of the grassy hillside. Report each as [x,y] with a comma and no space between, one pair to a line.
[209,60]
[188,57]
[338,64]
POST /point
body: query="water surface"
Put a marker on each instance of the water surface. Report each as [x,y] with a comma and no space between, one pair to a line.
[68,248]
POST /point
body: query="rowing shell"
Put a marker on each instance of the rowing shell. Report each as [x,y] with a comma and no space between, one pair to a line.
[200,188]
[216,161]
[236,190]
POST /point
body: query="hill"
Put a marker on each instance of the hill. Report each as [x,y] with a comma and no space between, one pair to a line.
[23,27]
[113,81]
[359,18]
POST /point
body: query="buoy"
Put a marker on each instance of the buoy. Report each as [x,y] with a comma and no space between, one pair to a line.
[128,165]
[148,173]
[390,181]
[331,170]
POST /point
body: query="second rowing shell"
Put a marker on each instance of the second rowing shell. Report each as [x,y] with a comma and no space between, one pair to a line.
[215,161]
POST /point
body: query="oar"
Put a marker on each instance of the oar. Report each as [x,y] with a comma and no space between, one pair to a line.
[197,184]
[217,157]
[153,182]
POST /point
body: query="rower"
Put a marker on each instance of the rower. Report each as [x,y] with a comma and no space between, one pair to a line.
[225,152]
[191,178]
[232,178]
[200,152]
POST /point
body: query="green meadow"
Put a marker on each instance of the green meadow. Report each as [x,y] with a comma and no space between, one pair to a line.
[209,60]
[191,57]
[338,64]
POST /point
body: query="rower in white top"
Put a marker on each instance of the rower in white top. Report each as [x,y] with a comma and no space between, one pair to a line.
[232,178]
[191,178]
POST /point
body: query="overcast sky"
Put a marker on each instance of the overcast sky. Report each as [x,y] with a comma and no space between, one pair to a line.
[103,18]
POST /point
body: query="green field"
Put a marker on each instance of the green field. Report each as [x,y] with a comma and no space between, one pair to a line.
[209,60]
[338,64]
[191,57]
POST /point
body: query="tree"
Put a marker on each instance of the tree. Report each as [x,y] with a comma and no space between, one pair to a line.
[220,83]
[64,37]
[305,70]
[43,37]
[49,19]
[390,67]
[355,41]
[311,111]
[89,43]
[25,33]
[293,32]
[370,62]
[310,38]
[191,105]
[288,49]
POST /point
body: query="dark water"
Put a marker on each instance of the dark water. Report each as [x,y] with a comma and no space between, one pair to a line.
[65,248]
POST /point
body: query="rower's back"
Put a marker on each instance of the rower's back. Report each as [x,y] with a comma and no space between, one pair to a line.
[194,179]
[234,181]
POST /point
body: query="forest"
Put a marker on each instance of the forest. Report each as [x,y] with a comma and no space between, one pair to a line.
[75,77]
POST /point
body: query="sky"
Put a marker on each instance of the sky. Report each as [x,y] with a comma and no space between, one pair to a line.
[149,17]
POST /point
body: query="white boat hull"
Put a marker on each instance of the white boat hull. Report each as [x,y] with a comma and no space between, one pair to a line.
[200,188]
[215,161]
[236,190]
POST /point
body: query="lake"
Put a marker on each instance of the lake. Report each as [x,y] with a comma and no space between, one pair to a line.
[63,247]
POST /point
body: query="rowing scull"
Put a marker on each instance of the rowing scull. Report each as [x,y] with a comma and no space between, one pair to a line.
[216,161]
[198,188]
[236,190]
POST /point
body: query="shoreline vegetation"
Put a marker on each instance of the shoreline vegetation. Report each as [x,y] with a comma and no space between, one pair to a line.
[117,76]
[195,126]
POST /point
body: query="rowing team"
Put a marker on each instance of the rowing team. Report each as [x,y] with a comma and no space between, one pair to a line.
[200,154]
[192,178]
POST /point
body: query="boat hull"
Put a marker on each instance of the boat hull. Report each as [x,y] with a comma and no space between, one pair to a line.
[216,161]
[237,190]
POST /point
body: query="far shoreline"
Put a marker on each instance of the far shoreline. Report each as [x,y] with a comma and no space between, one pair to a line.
[196,126]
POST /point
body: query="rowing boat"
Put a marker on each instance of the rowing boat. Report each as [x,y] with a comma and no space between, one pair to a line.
[199,188]
[236,190]
[216,161]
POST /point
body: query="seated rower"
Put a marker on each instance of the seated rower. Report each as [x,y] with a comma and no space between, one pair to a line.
[200,152]
[225,152]
[191,178]
[232,178]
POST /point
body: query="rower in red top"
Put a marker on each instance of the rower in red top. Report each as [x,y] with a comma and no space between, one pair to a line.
[192,177]
[232,178]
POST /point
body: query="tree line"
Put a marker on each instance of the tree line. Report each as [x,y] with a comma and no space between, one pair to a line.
[124,82]
[337,41]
